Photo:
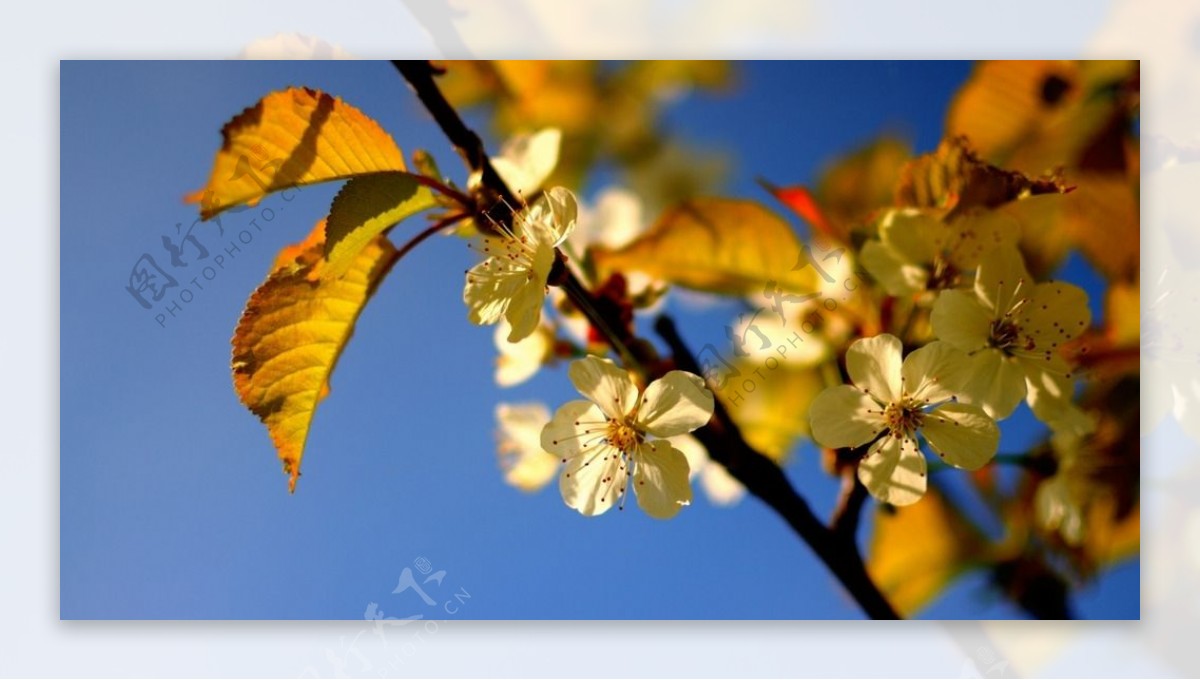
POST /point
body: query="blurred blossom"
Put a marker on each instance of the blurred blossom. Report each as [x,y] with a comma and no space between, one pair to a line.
[292,46]
[518,441]
[1165,39]
[614,219]
[719,486]
[519,361]
[525,161]
[614,28]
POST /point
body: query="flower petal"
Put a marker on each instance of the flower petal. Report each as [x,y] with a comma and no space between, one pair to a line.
[676,403]
[594,481]
[844,417]
[928,372]
[977,232]
[897,277]
[563,208]
[490,287]
[1050,395]
[525,161]
[526,464]
[913,235]
[1001,273]
[962,434]
[1055,313]
[576,425]
[661,479]
[606,384]
[894,471]
[960,319]
[720,486]
[519,361]
[874,366]
[524,311]
[991,380]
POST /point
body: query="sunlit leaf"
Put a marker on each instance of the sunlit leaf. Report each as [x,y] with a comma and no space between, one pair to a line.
[365,208]
[292,138]
[917,550]
[717,245]
[860,183]
[1102,218]
[291,334]
[771,406]
[1110,539]
[1035,116]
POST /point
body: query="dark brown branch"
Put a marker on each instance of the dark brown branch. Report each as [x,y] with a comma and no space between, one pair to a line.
[849,508]
[765,479]
[721,437]
[419,75]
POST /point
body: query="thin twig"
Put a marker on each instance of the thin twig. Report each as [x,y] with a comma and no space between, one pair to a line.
[427,232]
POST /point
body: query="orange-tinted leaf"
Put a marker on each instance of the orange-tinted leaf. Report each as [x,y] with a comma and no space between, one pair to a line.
[1110,539]
[717,245]
[1035,116]
[291,333]
[292,138]
[1102,218]
[917,550]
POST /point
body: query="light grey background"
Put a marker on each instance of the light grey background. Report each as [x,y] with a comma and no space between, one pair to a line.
[1166,36]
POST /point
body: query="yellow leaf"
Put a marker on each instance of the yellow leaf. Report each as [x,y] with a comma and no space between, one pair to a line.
[771,406]
[367,207]
[917,550]
[717,245]
[1102,217]
[1110,539]
[1035,116]
[291,333]
[292,138]
[858,184]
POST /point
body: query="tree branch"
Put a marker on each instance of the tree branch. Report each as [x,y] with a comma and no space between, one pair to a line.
[765,479]
[419,75]
[721,437]
[849,508]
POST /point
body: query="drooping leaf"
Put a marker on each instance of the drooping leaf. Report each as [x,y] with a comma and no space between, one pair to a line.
[367,207]
[292,332]
[717,245]
[292,138]
[917,550]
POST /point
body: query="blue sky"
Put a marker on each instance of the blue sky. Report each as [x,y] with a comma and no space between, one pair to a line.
[172,503]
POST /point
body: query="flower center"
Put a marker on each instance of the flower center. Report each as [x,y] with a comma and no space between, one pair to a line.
[1004,334]
[622,435]
[903,417]
[942,275]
